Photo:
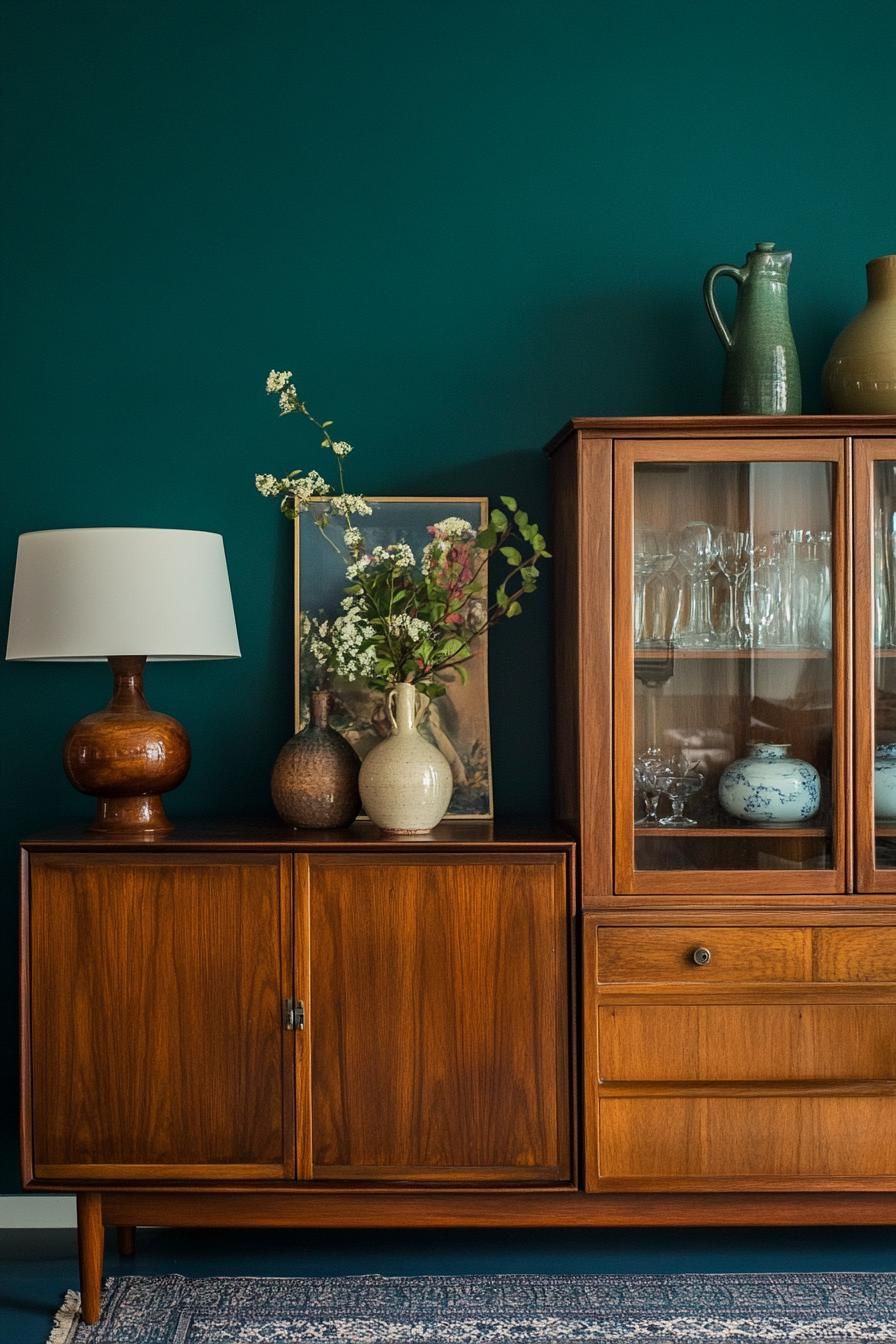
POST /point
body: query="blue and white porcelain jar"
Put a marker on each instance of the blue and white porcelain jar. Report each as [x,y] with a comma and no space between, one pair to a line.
[769,787]
[885,782]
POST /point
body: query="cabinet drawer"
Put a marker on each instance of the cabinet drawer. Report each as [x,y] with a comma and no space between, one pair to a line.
[855,954]
[736,955]
[747,1042]
[656,1138]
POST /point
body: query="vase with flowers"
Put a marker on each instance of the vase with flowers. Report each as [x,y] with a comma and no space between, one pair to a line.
[408,623]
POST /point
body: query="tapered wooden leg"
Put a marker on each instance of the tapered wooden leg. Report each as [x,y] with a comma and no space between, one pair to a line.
[90,1255]
[127,1240]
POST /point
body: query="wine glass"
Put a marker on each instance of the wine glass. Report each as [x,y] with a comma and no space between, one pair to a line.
[734,555]
[697,553]
[649,770]
[644,562]
[679,782]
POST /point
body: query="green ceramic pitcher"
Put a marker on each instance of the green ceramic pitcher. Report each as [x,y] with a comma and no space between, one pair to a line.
[762,371]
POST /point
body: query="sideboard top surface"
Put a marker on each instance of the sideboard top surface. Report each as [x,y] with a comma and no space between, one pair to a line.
[268,833]
[729,426]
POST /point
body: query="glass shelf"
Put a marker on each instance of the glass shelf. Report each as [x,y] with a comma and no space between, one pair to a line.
[758,655]
[742,832]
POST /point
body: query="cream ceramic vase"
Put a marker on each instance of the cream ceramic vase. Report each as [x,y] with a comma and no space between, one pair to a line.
[860,374]
[405,782]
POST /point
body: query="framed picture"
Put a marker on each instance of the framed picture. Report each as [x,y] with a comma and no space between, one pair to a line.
[457,722]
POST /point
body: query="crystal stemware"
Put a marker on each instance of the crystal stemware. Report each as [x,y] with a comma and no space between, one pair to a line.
[680,782]
[697,554]
[735,550]
[644,562]
[649,770]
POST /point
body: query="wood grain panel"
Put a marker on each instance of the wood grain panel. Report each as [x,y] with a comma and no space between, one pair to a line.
[747,1042]
[738,954]
[866,452]
[518,1208]
[855,954]
[757,1137]
[441,1022]
[156,1017]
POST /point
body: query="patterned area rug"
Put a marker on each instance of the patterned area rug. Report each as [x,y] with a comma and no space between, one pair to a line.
[500,1309]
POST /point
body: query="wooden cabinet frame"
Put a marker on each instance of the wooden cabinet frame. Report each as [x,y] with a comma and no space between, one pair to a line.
[867,451]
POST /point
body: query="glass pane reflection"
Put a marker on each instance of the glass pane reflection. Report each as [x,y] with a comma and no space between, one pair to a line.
[732,617]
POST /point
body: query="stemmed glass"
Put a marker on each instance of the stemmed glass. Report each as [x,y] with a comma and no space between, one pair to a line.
[697,553]
[735,551]
[650,768]
[679,781]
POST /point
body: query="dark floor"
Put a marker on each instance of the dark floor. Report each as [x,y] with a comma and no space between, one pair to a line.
[37,1267]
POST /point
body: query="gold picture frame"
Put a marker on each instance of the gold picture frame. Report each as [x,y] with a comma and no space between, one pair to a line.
[458,722]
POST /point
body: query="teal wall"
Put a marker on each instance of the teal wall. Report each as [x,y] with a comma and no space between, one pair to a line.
[459,223]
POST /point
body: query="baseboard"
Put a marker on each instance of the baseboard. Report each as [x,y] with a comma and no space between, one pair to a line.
[37,1211]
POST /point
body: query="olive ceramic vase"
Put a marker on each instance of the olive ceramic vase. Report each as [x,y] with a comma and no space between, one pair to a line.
[762,370]
[315,778]
[860,374]
[405,781]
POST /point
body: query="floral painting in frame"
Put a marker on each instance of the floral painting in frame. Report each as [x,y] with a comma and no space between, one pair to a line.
[457,722]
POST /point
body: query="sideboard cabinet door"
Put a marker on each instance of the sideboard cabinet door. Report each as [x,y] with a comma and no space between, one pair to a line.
[439,1018]
[156,1017]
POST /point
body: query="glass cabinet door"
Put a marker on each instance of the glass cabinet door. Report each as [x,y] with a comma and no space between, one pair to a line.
[875,663]
[730,666]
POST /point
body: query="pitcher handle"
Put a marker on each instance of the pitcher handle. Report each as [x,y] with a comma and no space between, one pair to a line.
[390,708]
[737,274]
[423,704]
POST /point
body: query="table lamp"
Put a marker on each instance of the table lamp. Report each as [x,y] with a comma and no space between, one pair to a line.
[127,594]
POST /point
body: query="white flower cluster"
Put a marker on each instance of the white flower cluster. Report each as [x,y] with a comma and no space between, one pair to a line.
[445,534]
[412,628]
[353,571]
[277,381]
[340,447]
[302,488]
[399,555]
[453,529]
[347,504]
[352,538]
[267,484]
[351,631]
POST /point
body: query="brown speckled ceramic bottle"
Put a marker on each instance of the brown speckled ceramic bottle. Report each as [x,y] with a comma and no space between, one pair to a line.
[315,779]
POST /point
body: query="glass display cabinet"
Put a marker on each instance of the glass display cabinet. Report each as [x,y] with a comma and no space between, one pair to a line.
[741,585]
[725,751]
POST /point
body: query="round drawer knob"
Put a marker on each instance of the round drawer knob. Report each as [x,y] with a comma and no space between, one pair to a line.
[701,956]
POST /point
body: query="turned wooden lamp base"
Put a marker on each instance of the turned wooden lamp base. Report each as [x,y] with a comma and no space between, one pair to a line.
[127,755]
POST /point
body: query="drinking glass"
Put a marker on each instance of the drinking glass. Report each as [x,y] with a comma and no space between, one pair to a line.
[679,782]
[650,768]
[644,562]
[757,615]
[697,553]
[735,550]
[660,595]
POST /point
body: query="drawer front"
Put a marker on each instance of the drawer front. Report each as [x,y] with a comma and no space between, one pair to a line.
[770,1138]
[747,1043]
[736,955]
[858,954]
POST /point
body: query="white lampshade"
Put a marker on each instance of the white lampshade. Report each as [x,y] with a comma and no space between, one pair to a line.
[88,593]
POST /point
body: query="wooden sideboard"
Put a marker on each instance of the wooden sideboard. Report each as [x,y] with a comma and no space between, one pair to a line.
[612,1023]
[261,1018]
